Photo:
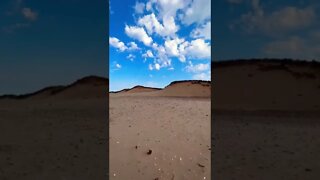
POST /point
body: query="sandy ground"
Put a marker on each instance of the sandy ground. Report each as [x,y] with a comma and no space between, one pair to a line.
[53,140]
[159,137]
[266,121]
[266,146]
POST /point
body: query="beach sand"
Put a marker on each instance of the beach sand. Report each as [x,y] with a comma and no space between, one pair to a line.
[266,120]
[163,134]
[55,136]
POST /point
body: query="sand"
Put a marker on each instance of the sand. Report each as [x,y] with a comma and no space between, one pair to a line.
[55,136]
[156,136]
[266,120]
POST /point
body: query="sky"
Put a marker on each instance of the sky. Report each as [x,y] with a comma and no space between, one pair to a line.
[266,29]
[45,43]
[155,42]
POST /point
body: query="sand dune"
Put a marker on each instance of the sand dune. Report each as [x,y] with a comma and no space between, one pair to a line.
[265,119]
[155,135]
[189,88]
[138,89]
[266,85]
[87,87]
[55,133]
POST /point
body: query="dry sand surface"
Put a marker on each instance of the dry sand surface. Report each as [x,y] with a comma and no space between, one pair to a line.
[266,120]
[161,134]
[55,135]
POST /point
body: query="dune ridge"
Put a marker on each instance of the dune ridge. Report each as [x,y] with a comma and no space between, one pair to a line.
[266,84]
[82,87]
[184,88]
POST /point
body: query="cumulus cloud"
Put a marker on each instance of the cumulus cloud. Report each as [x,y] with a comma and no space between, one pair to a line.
[148,54]
[139,7]
[199,71]
[115,42]
[131,57]
[198,49]
[197,68]
[132,46]
[150,67]
[279,21]
[171,47]
[161,57]
[157,66]
[160,20]
[118,66]
[294,47]
[115,66]
[203,31]
[198,12]
[202,76]
[152,25]
[29,14]
[139,34]
[169,8]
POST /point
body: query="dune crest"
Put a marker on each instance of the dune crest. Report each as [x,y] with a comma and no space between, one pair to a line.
[266,85]
[187,88]
[87,87]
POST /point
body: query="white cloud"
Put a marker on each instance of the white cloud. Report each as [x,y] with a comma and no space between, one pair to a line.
[29,14]
[152,25]
[139,7]
[138,33]
[150,67]
[115,42]
[279,21]
[198,12]
[157,66]
[172,47]
[197,68]
[161,56]
[149,5]
[132,46]
[131,57]
[117,66]
[170,27]
[204,31]
[198,49]
[148,54]
[202,76]
[294,47]
[169,8]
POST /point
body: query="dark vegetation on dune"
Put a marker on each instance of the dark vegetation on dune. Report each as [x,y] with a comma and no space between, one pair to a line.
[265,65]
[135,87]
[53,90]
[280,62]
[203,83]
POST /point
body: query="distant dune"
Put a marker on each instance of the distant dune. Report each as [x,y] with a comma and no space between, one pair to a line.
[192,88]
[187,88]
[137,89]
[266,85]
[87,87]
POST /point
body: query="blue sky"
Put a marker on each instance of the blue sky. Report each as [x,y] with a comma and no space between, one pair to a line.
[155,42]
[44,43]
[260,29]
